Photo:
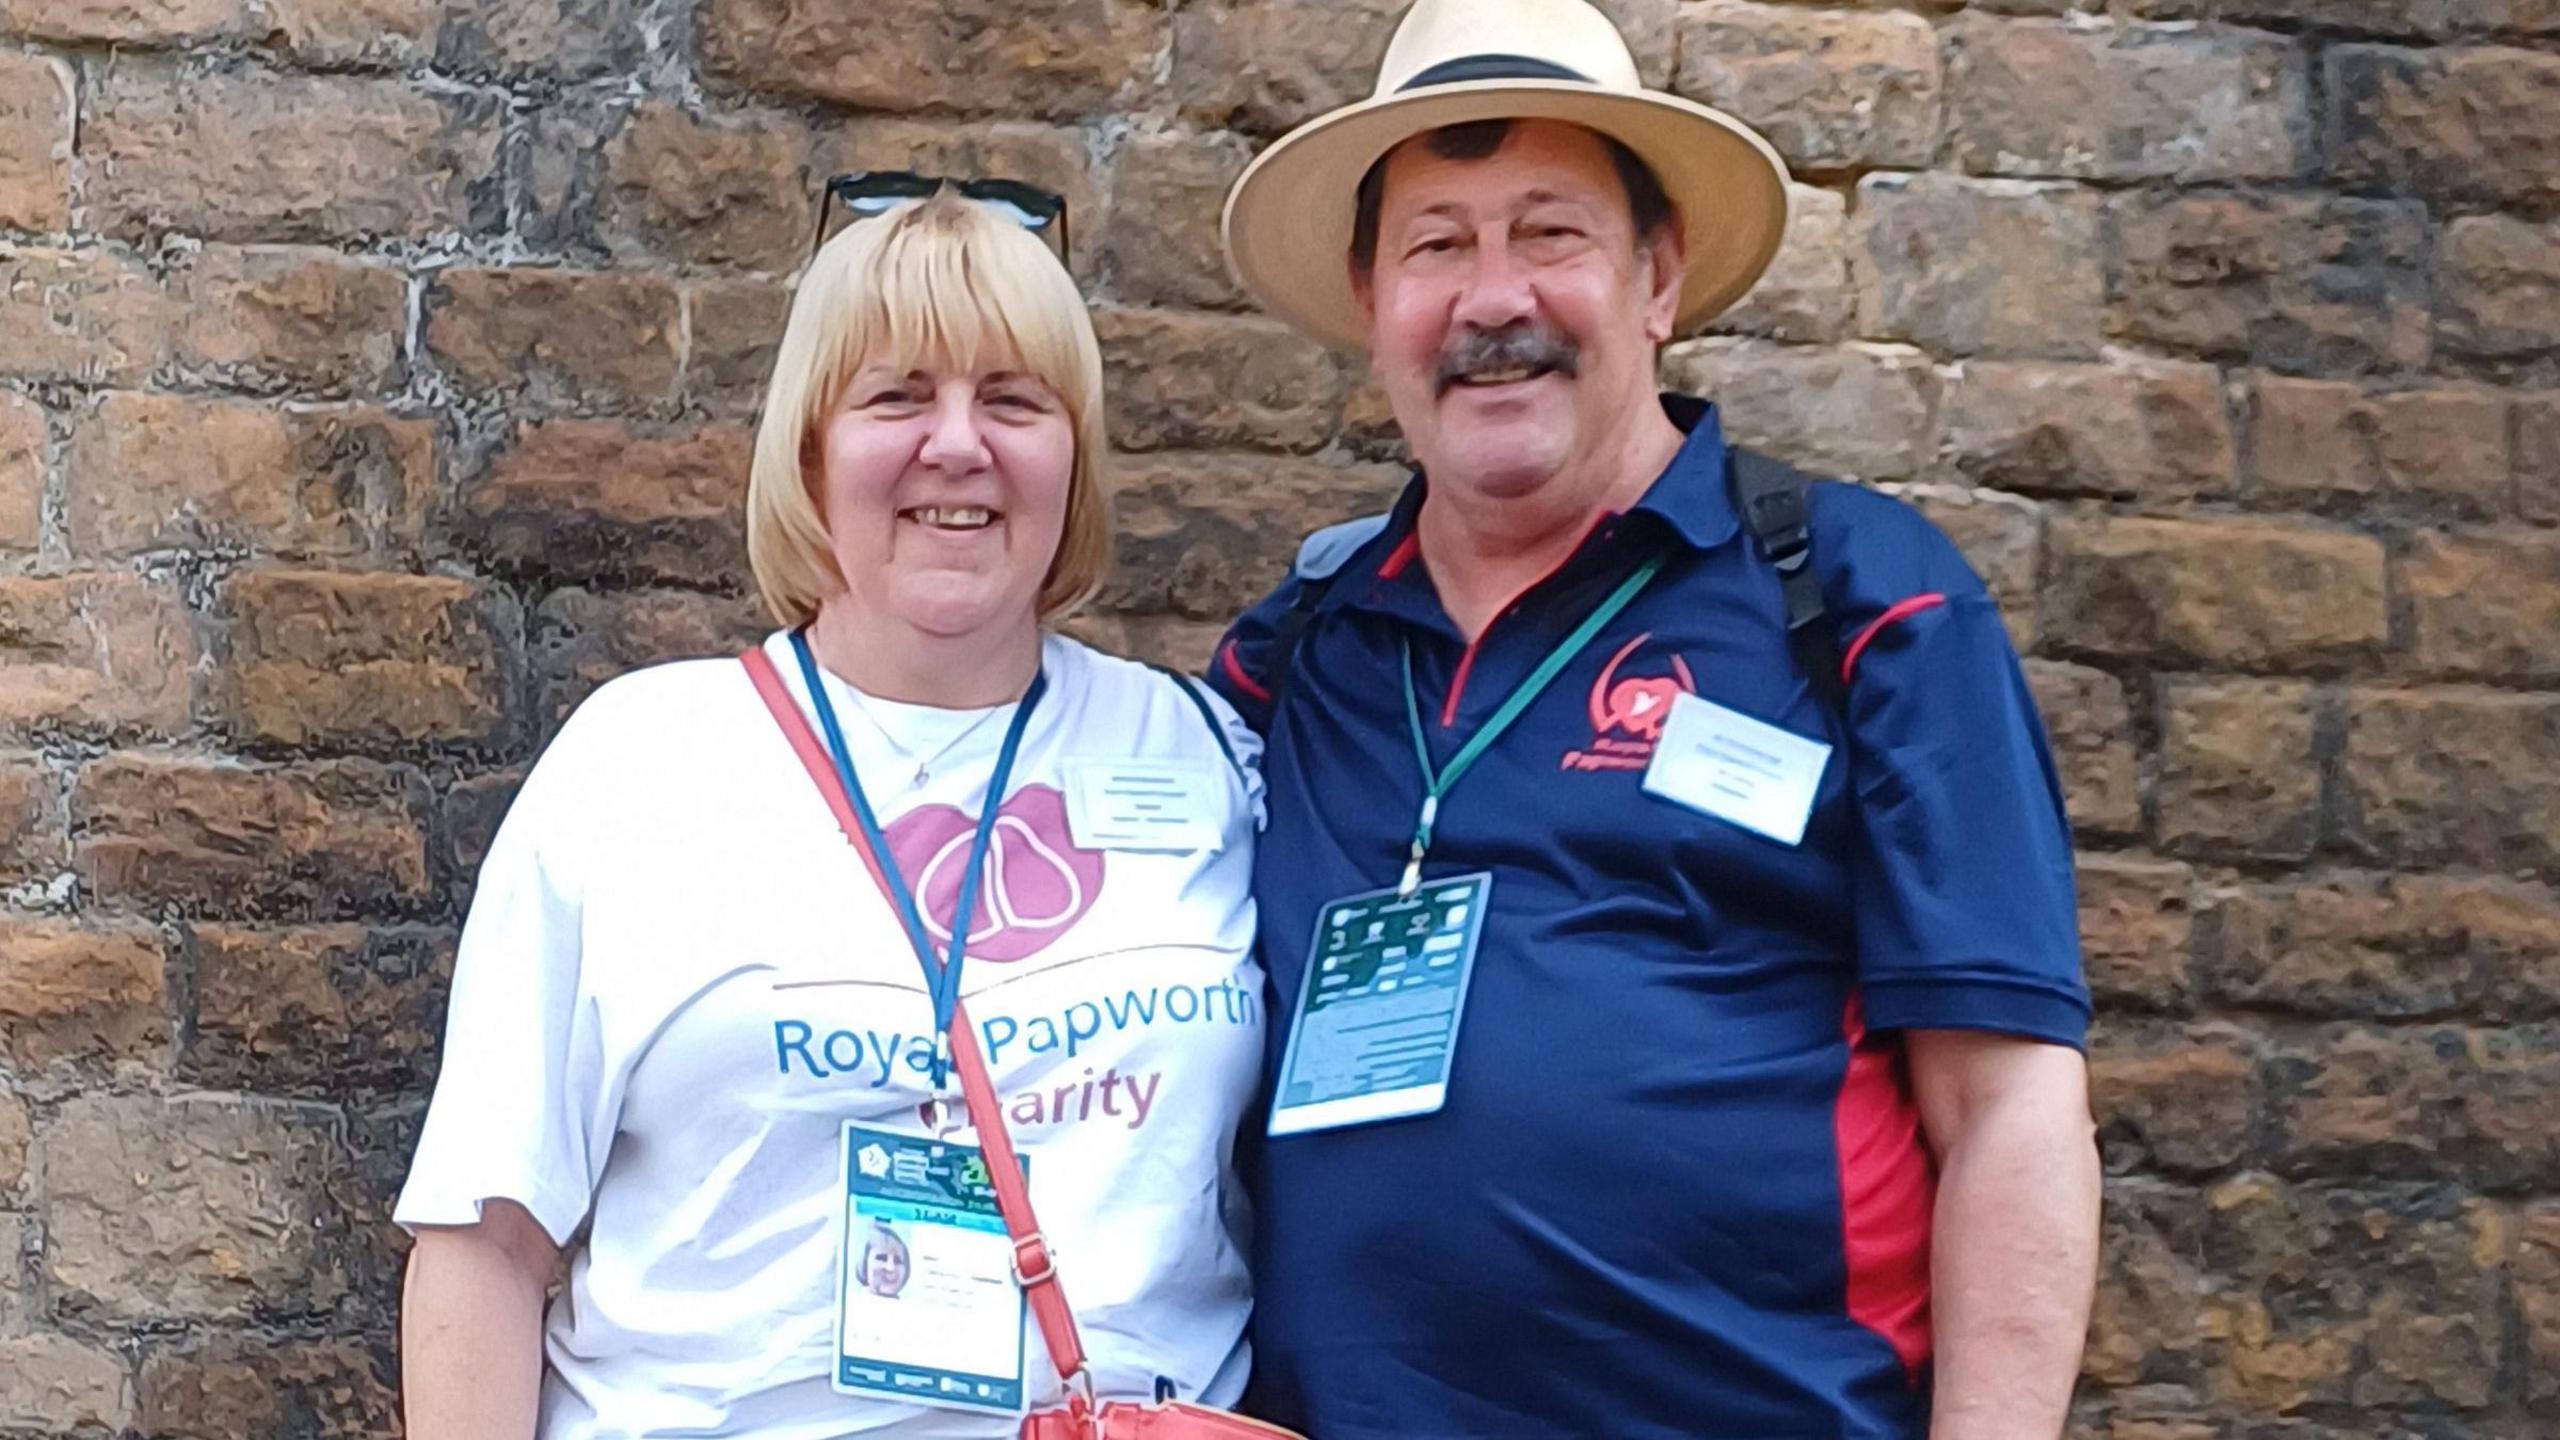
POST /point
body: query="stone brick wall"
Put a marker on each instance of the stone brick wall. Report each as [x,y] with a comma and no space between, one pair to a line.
[376,375]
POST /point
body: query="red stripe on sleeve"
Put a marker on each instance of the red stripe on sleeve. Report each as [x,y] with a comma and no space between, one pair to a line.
[1235,672]
[1899,610]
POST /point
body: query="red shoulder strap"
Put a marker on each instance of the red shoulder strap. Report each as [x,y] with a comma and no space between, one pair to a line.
[1031,1258]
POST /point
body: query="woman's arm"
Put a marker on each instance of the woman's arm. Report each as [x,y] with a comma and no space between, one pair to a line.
[471,1327]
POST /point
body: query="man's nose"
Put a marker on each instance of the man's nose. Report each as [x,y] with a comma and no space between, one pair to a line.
[958,441]
[1497,291]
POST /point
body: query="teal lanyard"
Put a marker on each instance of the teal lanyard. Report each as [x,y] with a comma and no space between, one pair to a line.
[1437,783]
[942,979]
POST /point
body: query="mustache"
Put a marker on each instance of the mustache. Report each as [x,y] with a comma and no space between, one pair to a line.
[1513,347]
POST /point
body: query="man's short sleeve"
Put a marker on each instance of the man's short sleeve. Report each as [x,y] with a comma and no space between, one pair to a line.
[1246,667]
[519,1111]
[1966,917]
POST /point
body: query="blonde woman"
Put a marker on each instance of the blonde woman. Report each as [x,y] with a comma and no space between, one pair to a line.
[676,988]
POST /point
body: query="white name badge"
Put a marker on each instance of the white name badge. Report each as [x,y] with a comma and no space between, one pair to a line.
[1117,804]
[927,1307]
[1378,1012]
[1726,764]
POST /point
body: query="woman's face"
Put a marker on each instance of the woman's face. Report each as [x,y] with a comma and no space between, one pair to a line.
[945,495]
[888,1270]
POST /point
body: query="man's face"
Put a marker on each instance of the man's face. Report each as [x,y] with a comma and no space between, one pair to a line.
[1513,316]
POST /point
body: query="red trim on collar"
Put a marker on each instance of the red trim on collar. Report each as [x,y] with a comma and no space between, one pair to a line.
[1401,556]
[1899,610]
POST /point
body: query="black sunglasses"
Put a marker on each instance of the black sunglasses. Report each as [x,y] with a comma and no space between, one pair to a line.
[865,194]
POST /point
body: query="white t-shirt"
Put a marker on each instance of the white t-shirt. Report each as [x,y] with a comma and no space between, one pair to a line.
[677,982]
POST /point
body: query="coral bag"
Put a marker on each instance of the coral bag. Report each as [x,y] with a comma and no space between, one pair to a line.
[1083,1417]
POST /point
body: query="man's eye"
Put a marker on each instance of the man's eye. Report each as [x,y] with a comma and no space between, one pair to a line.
[1439,245]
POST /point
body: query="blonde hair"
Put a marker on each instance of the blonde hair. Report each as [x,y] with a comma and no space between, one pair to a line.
[939,284]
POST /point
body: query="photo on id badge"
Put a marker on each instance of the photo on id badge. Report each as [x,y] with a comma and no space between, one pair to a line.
[927,1307]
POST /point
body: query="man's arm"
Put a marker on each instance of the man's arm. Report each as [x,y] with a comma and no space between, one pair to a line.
[2014,1245]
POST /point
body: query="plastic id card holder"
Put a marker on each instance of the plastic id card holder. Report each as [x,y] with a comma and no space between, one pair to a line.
[927,1308]
[1377,1021]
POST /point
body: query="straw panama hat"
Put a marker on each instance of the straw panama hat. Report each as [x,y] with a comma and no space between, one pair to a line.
[1289,219]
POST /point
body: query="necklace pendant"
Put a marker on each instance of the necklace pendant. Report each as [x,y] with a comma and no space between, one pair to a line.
[923,774]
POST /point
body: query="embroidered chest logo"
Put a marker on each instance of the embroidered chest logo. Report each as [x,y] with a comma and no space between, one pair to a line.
[1627,712]
[1037,882]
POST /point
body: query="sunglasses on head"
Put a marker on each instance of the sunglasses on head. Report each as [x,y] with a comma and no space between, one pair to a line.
[866,194]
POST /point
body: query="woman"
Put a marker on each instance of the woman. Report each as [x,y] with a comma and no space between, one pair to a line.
[677,985]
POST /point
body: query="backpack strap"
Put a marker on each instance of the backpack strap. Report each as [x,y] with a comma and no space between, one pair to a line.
[1775,503]
[1191,691]
[1319,563]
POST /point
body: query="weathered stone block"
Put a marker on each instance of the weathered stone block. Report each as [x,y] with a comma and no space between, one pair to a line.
[1829,88]
[544,40]
[2181,1098]
[2034,97]
[2386,947]
[36,121]
[286,318]
[49,1382]
[2137,930]
[1856,410]
[342,33]
[555,338]
[2314,440]
[317,1009]
[2425,19]
[1204,536]
[596,498]
[69,993]
[1181,380]
[23,443]
[92,654]
[2501,287]
[2214,592]
[2306,1317]
[1263,66]
[152,472]
[328,658]
[2472,1104]
[2452,776]
[15,1131]
[202,1207]
[2484,604]
[2090,728]
[254,155]
[1162,246]
[2538,1298]
[732,329]
[212,838]
[2145,1325]
[581,639]
[31,830]
[1979,267]
[1189,646]
[137,23]
[2462,125]
[2322,286]
[468,815]
[2538,458]
[230,1385]
[709,190]
[2239,768]
[79,316]
[1805,296]
[1045,57]
[2151,431]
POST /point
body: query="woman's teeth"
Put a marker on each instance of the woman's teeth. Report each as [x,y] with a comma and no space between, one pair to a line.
[953,517]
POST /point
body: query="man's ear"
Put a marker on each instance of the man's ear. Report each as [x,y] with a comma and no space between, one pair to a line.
[1665,264]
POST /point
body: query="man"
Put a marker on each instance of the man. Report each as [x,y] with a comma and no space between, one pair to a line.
[1690,1043]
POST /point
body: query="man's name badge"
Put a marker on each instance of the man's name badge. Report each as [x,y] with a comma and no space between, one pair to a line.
[1119,804]
[1723,763]
[1377,1021]
[927,1307]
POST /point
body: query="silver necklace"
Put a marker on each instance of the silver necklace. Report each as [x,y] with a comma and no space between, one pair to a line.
[923,761]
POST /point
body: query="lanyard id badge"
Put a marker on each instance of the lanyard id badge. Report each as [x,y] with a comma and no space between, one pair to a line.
[1378,1012]
[1376,1028]
[927,1307]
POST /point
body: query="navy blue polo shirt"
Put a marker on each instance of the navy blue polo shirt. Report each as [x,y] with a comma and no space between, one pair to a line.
[1679,1187]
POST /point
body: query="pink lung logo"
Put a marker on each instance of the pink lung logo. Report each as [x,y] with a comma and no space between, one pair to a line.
[1037,883]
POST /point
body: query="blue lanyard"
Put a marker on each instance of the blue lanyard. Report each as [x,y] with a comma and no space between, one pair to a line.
[942,979]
